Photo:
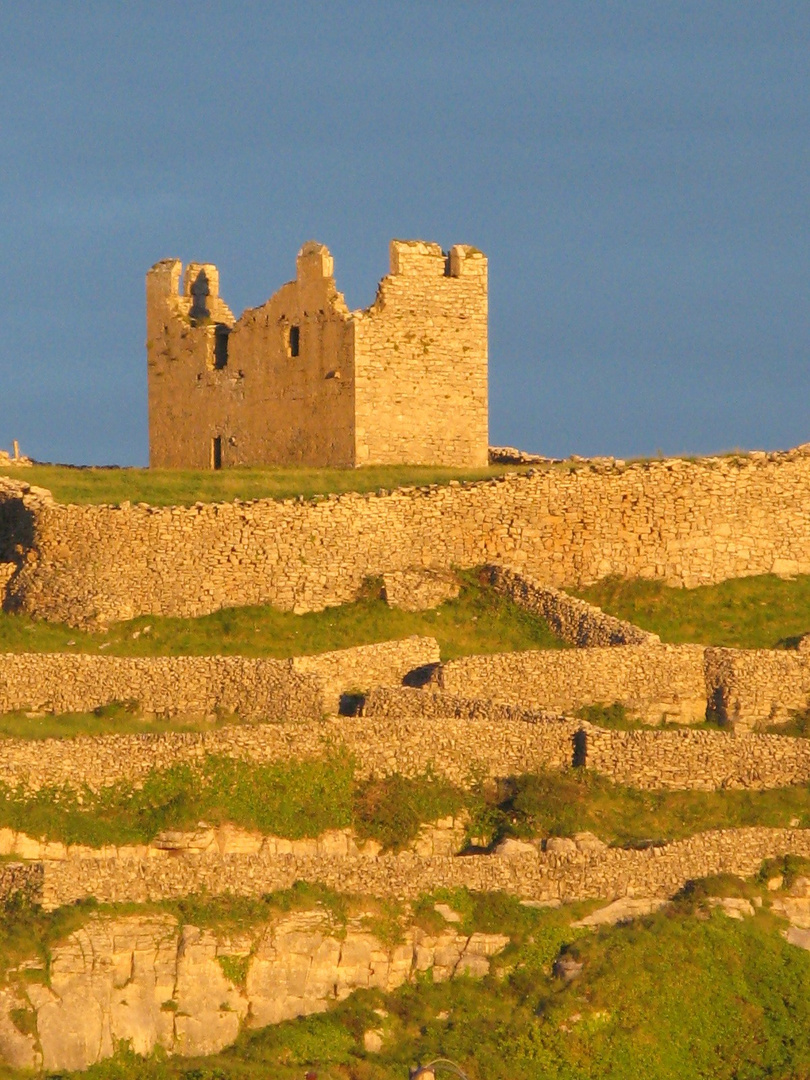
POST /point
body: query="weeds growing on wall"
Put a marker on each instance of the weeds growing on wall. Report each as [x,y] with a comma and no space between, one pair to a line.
[764,612]
[479,620]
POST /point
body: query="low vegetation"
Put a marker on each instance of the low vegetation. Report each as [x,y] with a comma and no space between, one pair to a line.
[303,799]
[184,487]
[479,620]
[664,997]
[764,612]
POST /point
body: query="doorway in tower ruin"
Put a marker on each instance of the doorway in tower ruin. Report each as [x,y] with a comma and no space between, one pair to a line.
[216,452]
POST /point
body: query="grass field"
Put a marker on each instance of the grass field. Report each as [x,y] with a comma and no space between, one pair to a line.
[184,487]
[479,620]
[763,612]
[687,994]
[303,799]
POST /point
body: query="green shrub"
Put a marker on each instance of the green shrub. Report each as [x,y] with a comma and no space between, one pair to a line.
[392,810]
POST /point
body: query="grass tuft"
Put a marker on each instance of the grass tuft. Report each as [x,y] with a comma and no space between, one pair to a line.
[184,487]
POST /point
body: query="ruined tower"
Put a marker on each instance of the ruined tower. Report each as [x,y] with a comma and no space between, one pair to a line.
[302,380]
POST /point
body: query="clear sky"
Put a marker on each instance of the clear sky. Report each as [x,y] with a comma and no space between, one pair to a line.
[637,174]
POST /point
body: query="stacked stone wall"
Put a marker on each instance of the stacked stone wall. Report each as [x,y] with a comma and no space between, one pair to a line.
[408,731]
[357,670]
[565,872]
[686,523]
[463,746]
[253,688]
[750,687]
[654,682]
[163,685]
[575,621]
[696,760]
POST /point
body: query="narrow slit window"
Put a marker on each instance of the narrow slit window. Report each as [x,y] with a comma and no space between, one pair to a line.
[221,334]
[216,452]
[295,340]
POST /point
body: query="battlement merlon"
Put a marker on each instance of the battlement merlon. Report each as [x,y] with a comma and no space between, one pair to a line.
[412,258]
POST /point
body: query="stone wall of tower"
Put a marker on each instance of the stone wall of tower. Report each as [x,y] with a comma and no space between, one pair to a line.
[421,360]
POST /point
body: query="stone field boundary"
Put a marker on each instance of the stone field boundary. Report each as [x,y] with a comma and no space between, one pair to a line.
[562,873]
[683,522]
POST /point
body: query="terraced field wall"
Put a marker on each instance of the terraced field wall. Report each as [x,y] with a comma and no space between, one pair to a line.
[654,682]
[683,522]
[409,731]
[564,872]
[303,687]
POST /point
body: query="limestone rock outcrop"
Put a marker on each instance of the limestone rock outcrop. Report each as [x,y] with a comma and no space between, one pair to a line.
[146,980]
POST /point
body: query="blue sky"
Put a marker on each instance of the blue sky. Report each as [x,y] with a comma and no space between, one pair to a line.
[636,173]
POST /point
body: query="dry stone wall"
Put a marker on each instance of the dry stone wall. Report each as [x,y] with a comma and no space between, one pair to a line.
[565,871]
[349,671]
[465,743]
[574,620]
[754,686]
[408,731]
[684,522]
[696,760]
[654,682]
[302,687]
[165,685]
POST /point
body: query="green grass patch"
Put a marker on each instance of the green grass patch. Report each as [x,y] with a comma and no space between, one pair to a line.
[304,799]
[478,620]
[293,799]
[117,718]
[764,612]
[616,718]
[184,487]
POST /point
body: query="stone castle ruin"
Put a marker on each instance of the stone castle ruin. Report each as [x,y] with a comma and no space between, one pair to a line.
[302,380]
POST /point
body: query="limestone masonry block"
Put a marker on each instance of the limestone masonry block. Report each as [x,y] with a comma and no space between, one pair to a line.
[419,588]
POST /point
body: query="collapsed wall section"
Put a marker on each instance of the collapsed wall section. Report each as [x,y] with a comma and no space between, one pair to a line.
[685,523]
